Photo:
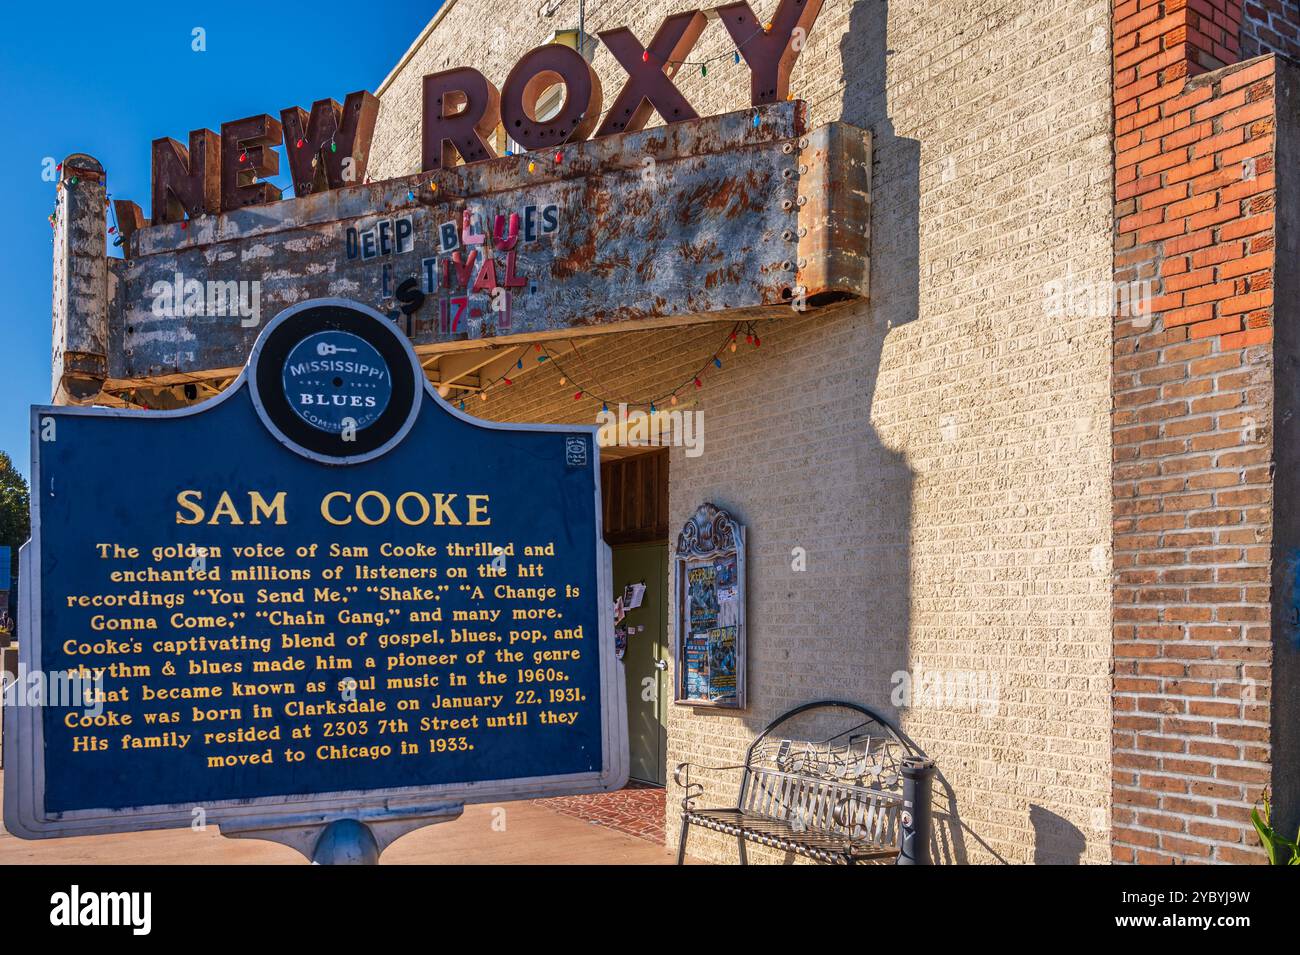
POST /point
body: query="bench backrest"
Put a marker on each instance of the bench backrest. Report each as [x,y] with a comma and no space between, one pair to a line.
[829,766]
[849,784]
[809,803]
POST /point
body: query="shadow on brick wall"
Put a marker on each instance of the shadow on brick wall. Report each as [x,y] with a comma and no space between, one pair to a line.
[895,301]
[1057,841]
[839,630]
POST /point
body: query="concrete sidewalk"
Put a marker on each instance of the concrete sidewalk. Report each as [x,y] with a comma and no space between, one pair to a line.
[534,834]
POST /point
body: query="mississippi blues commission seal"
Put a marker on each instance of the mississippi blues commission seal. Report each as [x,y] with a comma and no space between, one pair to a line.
[335,381]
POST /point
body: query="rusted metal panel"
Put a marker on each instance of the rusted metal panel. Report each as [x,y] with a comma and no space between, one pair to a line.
[720,219]
[835,213]
[693,219]
[80,301]
[128,217]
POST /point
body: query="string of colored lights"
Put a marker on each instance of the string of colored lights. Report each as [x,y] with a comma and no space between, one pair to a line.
[58,188]
[703,64]
[334,147]
[696,379]
[112,210]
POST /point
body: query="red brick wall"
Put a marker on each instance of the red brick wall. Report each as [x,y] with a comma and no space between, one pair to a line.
[1195,194]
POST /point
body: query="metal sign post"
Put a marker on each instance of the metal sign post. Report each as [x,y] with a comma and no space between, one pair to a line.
[350,841]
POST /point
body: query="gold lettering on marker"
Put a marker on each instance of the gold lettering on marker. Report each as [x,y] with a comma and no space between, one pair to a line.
[443,504]
[184,500]
[325,507]
[259,508]
[262,509]
[478,510]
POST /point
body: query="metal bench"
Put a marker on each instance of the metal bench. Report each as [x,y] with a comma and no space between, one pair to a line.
[859,793]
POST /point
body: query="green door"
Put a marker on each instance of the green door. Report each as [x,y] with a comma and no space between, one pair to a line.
[645,661]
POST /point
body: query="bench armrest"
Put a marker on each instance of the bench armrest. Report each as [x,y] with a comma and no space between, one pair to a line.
[691,791]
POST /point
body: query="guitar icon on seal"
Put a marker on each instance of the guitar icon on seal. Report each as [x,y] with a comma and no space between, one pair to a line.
[325,348]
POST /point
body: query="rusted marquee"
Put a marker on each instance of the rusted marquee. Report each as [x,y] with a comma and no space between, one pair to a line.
[744,215]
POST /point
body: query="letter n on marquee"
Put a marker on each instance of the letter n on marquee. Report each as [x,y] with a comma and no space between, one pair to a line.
[186,181]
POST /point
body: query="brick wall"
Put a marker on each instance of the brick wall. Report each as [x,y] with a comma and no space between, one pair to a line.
[1270,26]
[943,454]
[1195,195]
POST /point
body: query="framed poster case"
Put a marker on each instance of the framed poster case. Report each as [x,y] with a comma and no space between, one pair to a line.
[709,643]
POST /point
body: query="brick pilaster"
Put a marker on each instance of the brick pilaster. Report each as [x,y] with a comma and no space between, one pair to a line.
[1192,433]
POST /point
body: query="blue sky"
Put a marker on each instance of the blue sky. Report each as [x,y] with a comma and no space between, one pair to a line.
[109,79]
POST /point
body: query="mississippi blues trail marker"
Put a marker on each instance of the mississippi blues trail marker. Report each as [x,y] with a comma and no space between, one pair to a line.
[324,595]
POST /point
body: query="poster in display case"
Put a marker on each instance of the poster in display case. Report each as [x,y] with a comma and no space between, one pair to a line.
[710,639]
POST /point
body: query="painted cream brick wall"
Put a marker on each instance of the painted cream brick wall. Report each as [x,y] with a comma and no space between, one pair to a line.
[943,454]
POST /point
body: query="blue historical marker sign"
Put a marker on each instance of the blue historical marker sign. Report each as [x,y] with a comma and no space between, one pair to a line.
[324,592]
